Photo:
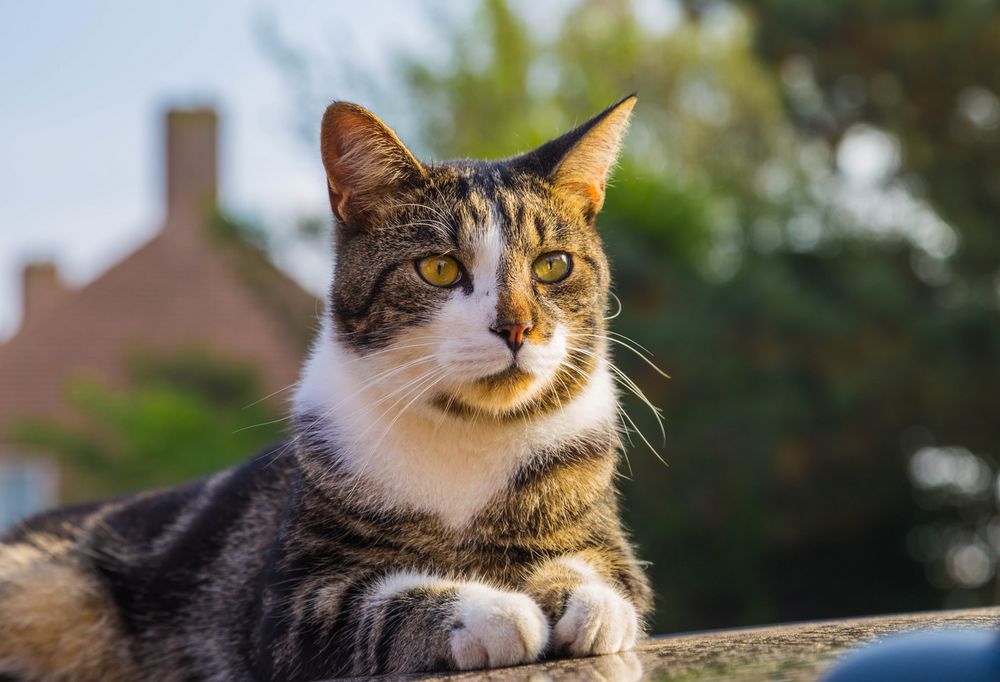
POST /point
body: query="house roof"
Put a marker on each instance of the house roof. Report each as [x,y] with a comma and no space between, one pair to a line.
[190,285]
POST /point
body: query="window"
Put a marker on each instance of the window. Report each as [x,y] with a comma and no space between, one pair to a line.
[27,486]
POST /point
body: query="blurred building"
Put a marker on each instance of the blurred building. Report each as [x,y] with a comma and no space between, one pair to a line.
[194,284]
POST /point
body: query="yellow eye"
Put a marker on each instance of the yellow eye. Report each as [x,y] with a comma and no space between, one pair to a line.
[441,271]
[552,267]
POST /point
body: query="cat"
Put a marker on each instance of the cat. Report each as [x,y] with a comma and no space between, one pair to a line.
[445,498]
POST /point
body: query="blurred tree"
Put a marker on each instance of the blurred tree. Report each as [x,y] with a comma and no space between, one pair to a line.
[181,417]
[924,71]
[924,74]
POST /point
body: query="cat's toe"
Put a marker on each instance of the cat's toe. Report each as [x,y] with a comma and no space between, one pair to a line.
[497,629]
[597,620]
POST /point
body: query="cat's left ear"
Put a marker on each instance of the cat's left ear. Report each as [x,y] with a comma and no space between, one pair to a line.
[579,162]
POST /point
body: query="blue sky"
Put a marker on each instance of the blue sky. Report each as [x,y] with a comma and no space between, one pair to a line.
[84,86]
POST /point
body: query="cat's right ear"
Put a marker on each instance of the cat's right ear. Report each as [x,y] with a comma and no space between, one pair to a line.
[365,162]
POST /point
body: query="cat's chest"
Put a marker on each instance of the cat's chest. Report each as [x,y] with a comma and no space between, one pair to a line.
[343,526]
[415,458]
[473,504]
[451,475]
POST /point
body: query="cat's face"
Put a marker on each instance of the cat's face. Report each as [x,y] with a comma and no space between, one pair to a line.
[470,287]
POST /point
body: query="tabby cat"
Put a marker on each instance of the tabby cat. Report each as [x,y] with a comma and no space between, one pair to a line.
[445,498]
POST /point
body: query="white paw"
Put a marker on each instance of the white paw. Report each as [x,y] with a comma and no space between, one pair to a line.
[497,628]
[597,620]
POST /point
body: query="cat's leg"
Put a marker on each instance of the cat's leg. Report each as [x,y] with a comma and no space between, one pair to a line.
[406,622]
[594,600]
[414,622]
[473,624]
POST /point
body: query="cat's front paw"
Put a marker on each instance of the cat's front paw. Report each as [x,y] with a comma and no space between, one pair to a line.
[497,629]
[597,620]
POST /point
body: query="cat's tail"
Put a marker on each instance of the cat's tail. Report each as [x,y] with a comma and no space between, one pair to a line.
[57,622]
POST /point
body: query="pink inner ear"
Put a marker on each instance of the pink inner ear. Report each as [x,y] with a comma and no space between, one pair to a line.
[338,200]
[593,191]
[341,208]
[596,192]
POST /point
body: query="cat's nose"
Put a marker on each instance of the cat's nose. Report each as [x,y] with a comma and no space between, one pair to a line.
[513,333]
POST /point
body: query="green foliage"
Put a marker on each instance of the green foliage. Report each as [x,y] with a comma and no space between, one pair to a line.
[924,71]
[181,417]
[229,229]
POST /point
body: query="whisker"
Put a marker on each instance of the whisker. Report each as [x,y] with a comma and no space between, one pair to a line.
[626,379]
[619,301]
[392,349]
[434,376]
[625,345]
[644,439]
[257,426]
[270,395]
[630,340]
[326,413]
[440,375]
[628,383]
[628,435]
[621,414]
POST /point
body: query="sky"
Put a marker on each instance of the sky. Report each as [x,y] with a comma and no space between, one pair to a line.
[85,84]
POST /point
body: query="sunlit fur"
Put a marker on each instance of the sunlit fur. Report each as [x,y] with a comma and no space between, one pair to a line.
[443,501]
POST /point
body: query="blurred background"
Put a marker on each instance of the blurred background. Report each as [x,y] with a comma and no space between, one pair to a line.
[803,228]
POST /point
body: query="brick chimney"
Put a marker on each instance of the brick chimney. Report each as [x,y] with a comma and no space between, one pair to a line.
[192,168]
[42,289]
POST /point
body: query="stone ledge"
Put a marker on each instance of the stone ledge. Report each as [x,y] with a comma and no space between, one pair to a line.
[794,652]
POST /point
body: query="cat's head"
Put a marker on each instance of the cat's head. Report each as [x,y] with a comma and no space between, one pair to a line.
[483,284]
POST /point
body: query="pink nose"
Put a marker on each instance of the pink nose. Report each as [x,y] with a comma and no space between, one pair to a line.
[513,333]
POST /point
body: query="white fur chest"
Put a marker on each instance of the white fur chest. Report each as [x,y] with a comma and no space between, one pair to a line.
[420,458]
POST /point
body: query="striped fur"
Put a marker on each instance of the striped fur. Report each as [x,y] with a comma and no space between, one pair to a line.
[444,502]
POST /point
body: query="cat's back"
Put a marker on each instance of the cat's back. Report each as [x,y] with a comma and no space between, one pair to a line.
[161,517]
[167,571]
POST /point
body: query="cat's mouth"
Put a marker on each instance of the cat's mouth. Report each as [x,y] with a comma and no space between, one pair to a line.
[512,377]
[497,391]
